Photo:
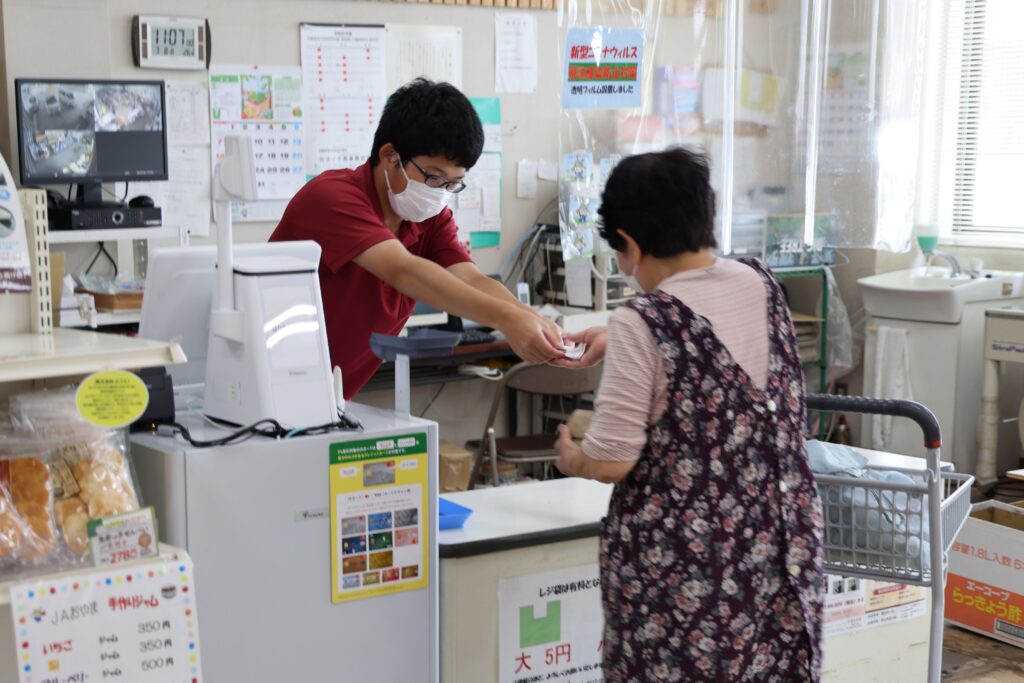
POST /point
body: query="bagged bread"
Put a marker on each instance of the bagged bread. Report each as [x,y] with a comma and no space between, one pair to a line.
[12,528]
[32,496]
[81,469]
[104,481]
[73,518]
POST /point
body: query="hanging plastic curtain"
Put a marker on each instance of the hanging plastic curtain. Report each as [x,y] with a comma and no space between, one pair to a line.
[609,50]
[808,110]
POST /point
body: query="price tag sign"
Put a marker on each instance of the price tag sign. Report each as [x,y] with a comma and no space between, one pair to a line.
[112,399]
[134,623]
[123,538]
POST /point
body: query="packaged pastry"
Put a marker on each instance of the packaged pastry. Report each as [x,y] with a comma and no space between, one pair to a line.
[103,479]
[12,528]
[32,495]
[73,519]
[61,472]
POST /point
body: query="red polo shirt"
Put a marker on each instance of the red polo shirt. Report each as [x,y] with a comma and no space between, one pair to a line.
[339,210]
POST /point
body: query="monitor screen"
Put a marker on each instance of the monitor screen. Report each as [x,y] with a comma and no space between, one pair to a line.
[82,131]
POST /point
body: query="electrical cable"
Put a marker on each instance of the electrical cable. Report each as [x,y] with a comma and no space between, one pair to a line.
[536,231]
[269,428]
[114,194]
[102,250]
[431,401]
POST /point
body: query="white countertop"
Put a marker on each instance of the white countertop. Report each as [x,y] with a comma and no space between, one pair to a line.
[524,509]
[545,507]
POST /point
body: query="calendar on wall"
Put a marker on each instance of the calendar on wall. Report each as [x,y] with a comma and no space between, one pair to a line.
[265,104]
[848,117]
[343,69]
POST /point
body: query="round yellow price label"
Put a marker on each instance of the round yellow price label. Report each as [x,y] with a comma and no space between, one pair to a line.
[112,399]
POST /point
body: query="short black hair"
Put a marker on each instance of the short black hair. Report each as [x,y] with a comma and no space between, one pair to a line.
[424,118]
[663,200]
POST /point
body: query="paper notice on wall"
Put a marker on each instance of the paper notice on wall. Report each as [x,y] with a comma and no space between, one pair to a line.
[188,113]
[489,111]
[578,286]
[344,89]
[515,52]
[134,622]
[547,169]
[602,68]
[184,198]
[526,179]
[432,51]
[265,104]
[550,626]
[478,207]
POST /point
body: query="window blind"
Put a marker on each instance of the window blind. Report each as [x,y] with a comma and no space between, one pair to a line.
[981,136]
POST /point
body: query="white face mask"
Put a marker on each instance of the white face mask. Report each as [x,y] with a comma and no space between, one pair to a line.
[631,281]
[418,201]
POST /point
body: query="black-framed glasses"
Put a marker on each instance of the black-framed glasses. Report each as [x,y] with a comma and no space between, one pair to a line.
[438,181]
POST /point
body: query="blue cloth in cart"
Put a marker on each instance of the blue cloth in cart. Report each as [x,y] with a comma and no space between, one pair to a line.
[871,520]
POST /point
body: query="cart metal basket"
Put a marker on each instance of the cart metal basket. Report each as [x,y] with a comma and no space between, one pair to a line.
[895,530]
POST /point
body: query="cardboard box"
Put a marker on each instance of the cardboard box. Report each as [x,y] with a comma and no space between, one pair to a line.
[122,301]
[456,467]
[985,585]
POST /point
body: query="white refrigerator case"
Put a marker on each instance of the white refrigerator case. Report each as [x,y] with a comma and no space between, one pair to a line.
[255,517]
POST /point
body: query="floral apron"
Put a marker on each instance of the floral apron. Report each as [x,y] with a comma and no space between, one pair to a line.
[711,560]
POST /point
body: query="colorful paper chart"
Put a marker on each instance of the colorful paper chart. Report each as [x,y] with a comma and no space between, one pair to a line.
[138,623]
[379,514]
[263,103]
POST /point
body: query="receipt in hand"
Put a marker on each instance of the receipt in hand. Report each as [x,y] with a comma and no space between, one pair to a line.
[574,351]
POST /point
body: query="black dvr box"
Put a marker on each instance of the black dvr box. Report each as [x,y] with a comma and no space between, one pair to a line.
[103,217]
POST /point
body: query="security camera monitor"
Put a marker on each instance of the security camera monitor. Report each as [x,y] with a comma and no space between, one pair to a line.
[90,132]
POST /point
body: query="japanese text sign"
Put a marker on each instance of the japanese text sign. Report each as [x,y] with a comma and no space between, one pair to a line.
[550,626]
[603,68]
[133,623]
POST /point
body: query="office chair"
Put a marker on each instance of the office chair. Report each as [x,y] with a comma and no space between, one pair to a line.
[543,380]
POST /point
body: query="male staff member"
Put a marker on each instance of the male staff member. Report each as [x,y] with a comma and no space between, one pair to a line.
[389,239]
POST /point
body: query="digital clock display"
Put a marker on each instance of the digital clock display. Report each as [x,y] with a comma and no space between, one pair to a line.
[169,41]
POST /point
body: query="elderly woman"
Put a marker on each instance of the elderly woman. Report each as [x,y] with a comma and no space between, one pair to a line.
[711,563]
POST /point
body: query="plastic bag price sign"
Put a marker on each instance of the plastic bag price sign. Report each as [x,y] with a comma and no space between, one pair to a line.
[112,399]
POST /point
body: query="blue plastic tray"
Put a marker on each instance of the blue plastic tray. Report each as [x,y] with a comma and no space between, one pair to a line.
[450,515]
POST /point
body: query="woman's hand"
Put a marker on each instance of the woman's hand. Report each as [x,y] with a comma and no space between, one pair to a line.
[573,462]
[569,452]
[595,338]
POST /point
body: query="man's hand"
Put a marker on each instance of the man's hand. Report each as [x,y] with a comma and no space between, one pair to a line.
[595,338]
[552,331]
[528,336]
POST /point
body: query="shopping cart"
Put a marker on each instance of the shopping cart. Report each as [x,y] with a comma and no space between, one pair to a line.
[892,530]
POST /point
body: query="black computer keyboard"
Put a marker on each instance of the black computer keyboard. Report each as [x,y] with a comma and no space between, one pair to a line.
[476,335]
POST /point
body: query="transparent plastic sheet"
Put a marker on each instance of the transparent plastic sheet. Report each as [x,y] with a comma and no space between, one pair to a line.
[844,348]
[808,110]
[868,156]
[832,161]
[57,472]
[594,135]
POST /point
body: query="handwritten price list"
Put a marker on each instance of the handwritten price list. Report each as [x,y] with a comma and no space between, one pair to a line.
[135,624]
